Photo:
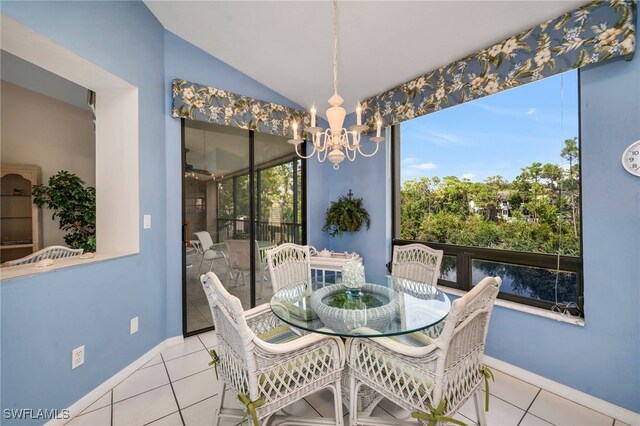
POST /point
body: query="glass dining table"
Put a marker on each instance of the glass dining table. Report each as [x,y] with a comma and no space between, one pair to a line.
[384,306]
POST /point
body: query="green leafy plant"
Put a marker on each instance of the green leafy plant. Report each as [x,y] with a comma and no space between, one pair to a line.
[346,215]
[342,301]
[74,204]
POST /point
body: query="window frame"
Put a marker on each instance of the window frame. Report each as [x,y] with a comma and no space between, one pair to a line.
[466,254]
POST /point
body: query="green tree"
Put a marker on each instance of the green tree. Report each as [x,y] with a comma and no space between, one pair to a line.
[530,177]
[453,195]
[488,195]
[543,201]
[570,153]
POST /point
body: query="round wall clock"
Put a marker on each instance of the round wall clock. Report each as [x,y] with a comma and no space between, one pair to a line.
[631,158]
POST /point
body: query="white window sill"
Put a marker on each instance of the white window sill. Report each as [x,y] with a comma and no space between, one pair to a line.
[545,313]
[12,272]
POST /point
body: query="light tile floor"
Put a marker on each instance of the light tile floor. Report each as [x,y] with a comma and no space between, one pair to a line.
[177,388]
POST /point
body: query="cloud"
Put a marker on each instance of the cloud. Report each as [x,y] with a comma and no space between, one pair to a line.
[413,163]
[420,132]
[414,167]
[510,112]
[409,160]
[444,138]
[495,109]
[424,166]
[468,176]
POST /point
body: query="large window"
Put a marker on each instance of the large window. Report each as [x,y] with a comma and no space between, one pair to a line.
[495,183]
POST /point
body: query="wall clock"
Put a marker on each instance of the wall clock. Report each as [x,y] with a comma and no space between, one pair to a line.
[631,158]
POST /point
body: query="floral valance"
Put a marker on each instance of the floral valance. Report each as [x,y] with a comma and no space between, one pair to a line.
[592,33]
[202,103]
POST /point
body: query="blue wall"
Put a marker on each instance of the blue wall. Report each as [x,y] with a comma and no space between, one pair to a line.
[92,305]
[601,358]
[46,316]
[368,179]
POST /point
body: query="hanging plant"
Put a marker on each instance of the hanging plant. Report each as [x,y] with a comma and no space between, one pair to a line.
[346,215]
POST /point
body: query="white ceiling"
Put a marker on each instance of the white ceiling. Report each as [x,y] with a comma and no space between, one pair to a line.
[287,45]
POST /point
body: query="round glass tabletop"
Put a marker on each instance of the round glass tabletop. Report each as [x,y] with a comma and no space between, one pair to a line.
[385,306]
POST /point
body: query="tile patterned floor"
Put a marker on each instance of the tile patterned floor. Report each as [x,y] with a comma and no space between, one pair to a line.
[177,388]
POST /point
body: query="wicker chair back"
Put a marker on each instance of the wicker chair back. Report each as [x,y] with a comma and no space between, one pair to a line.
[51,252]
[416,262]
[462,342]
[235,338]
[289,264]
[265,364]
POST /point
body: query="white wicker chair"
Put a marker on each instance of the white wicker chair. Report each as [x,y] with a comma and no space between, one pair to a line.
[416,262]
[51,252]
[204,248]
[418,373]
[289,264]
[269,376]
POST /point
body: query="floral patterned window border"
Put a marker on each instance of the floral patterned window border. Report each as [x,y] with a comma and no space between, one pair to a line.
[202,103]
[590,34]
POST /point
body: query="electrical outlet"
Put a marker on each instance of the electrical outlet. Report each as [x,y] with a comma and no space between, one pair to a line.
[134,325]
[77,357]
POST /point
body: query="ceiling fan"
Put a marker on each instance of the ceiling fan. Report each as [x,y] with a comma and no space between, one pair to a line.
[191,169]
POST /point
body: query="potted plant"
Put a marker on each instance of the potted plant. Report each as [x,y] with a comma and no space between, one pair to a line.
[74,204]
[346,215]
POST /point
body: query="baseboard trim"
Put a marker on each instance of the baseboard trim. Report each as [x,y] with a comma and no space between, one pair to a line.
[590,401]
[84,402]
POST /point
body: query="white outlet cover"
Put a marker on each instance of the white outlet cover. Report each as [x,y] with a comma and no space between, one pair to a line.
[147,221]
[77,357]
[134,325]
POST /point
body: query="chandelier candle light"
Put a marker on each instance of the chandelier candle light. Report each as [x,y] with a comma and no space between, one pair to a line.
[336,142]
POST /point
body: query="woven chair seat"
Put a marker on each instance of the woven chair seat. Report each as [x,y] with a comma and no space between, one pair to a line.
[280,334]
[415,340]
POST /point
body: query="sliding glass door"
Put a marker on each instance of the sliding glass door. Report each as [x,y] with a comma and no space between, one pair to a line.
[242,194]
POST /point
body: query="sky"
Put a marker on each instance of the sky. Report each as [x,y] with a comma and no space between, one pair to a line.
[494,135]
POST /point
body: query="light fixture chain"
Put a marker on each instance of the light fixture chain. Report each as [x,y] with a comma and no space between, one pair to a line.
[335,47]
[333,143]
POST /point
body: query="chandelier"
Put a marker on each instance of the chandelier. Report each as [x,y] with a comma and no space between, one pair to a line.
[336,143]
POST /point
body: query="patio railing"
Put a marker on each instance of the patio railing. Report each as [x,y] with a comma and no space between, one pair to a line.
[265,231]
